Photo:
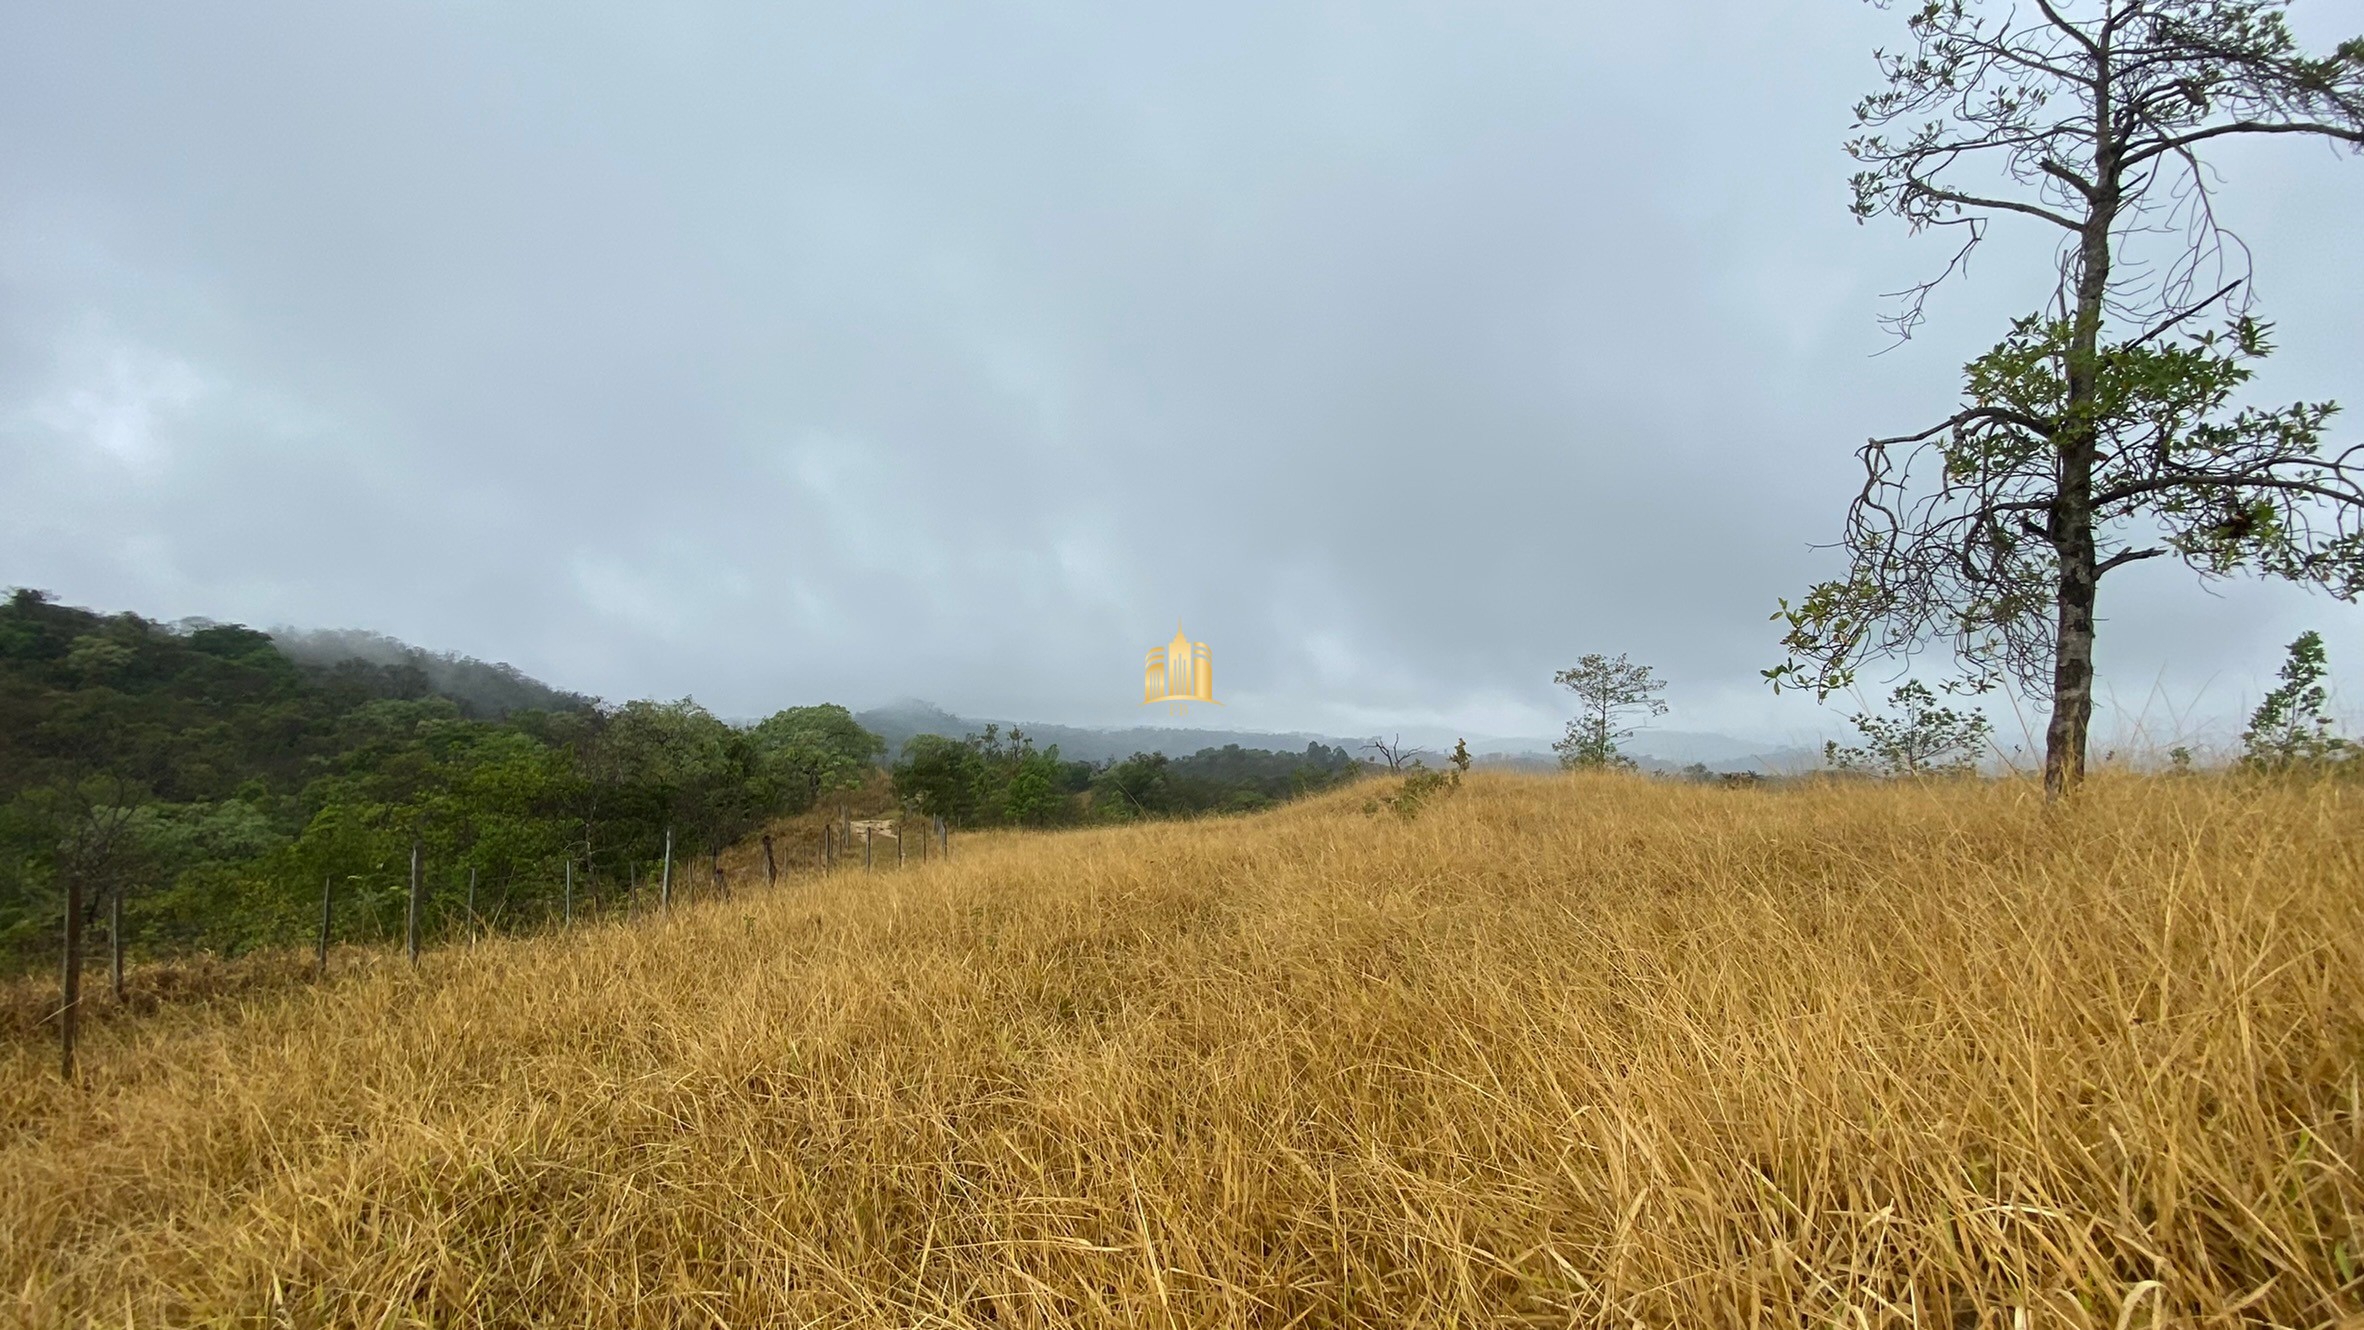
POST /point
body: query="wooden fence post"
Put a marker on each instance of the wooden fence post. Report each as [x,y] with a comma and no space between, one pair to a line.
[665,884]
[866,830]
[415,894]
[115,940]
[70,981]
[631,889]
[771,869]
[567,902]
[898,842]
[471,905]
[320,968]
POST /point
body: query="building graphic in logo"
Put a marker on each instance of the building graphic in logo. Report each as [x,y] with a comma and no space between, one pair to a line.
[1180,672]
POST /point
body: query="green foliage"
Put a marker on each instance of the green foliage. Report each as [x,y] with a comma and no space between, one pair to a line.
[1230,779]
[2291,728]
[984,780]
[813,751]
[216,784]
[1413,795]
[1421,787]
[1964,551]
[1609,694]
[1921,739]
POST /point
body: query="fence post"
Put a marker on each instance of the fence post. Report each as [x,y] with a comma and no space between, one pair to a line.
[898,842]
[771,870]
[320,967]
[828,845]
[866,830]
[665,884]
[471,905]
[631,890]
[414,902]
[115,940]
[70,982]
[567,903]
[722,884]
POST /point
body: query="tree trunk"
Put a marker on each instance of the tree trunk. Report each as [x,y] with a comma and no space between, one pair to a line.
[69,1008]
[2072,506]
[2072,666]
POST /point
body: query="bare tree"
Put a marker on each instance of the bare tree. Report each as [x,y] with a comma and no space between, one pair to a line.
[1393,754]
[2101,432]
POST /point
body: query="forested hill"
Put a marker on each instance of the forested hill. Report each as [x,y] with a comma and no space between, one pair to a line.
[202,710]
[480,688]
[212,781]
[209,778]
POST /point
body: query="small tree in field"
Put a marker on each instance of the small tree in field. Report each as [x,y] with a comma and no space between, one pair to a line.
[2100,432]
[1609,694]
[2291,727]
[1921,739]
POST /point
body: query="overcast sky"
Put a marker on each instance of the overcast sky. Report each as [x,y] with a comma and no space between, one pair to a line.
[784,353]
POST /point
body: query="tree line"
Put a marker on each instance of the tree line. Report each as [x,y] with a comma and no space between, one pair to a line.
[204,788]
[206,785]
[991,779]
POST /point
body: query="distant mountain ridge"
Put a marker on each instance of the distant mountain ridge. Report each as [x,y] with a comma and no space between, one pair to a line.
[1670,750]
[898,722]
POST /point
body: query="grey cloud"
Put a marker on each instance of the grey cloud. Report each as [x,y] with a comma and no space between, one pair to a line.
[771,354]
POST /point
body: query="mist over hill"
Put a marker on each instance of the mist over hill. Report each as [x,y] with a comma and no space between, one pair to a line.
[484,688]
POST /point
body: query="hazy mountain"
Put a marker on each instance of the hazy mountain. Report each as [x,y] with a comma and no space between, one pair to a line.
[1653,750]
[899,721]
[484,688]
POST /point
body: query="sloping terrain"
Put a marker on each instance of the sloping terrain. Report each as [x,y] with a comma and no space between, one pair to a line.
[1552,1051]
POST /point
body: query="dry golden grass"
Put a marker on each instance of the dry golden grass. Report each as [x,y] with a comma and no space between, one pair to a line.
[1581,1051]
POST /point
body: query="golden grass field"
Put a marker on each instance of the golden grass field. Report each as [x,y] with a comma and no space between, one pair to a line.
[1559,1051]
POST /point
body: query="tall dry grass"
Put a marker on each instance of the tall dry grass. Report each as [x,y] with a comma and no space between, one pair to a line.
[1559,1051]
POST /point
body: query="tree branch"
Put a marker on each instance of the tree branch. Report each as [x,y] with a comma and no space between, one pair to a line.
[1918,188]
[2126,556]
[2180,315]
[2092,47]
[1999,414]
[2181,141]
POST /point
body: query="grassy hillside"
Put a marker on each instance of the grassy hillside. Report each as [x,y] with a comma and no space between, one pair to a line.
[1557,1050]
